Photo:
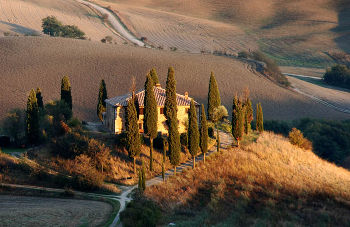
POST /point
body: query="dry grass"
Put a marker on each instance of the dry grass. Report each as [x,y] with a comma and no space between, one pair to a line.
[30,62]
[270,169]
[24,17]
[38,211]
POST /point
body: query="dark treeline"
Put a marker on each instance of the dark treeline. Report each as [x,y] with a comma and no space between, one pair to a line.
[338,75]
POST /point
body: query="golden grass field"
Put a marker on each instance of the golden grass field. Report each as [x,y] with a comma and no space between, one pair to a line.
[30,62]
[23,17]
[270,171]
[40,211]
[293,32]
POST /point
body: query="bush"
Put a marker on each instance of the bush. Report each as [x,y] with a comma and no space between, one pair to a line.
[211,132]
[51,26]
[338,75]
[121,139]
[14,125]
[70,146]
[158,142]
[184,139]
[243,54]
[141,212]
[296,137]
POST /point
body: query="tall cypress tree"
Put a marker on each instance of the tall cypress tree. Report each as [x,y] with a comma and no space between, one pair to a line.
[66,93]
[193,132]
[259,118]
[238,116]
[154,76]
[248,116]
[102,96]
[150,115]
[133,136]
[32,119]
[204,133]
[214,100]
[170,110]
[39,98]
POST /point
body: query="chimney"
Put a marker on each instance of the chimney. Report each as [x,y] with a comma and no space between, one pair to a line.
[158,85]
[186,95]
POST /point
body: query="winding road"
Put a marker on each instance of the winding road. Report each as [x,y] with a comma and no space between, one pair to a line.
[114,22]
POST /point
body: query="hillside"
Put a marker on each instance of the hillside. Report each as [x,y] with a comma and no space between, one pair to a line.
[19,17]
[30,62]
[267,182]
[302,33]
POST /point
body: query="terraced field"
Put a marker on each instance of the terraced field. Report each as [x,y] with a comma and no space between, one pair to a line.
[23,17]
[30,62]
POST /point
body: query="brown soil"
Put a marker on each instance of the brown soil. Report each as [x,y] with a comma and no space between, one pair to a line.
[39,211]
[30,62]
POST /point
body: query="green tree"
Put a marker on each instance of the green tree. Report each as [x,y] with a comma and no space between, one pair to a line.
[133,144]
[193,132]
[39,98]
[14,125]
[259,118]
[71,31]
[218,115]
[150,115]
[170,109]
[164,157]
[154,76]
[51,26]
[32,119]
[238,116]
[66,93]
[214,100]
[142,179]
[102,96]
[204,133]
[248,118]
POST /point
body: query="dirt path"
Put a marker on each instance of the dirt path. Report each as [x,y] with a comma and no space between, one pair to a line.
[313,88]
[113,20]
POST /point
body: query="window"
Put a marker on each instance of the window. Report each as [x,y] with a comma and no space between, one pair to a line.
[141,110]
[162,110]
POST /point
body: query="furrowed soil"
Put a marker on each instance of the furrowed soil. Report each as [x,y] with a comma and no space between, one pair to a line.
[31,62]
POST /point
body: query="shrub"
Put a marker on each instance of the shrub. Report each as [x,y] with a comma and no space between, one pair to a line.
[121,139]
[211,132]
[184,139]
[296,137]
[158,142]
[70,146]
[338,75]
[53,27]
[243,54]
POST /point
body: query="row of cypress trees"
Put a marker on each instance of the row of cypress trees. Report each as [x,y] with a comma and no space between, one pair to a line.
[35,103]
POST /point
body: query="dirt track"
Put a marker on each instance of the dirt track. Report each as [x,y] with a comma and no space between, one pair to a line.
[39,211]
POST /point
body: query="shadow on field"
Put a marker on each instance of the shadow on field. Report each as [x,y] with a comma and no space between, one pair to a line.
[19,29]
[343,28]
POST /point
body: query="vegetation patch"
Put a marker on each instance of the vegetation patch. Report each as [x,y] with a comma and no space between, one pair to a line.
[338,75]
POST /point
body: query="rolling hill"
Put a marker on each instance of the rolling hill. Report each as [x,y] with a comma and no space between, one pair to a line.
[30,62]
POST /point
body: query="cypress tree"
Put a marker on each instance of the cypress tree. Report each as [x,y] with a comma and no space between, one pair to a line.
[170,110]
[39,98]
[133,136]
[259,118]
[150,115]
[143,176]
[204,133]
[193,132]
[163,163]
[102,96]
[214,100]
[248,116]
[154,76]
[66,93]
[32,119]
[238,115]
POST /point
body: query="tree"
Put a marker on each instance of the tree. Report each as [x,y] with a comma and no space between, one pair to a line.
[238,116]
[248,118]
[133,144]
[14,125]
[218,115]
[170,110]
[51,26]
[32,119]
[150,115]
[102,96]
[259,118]
[66,93]
[142,179]
[72,31]
[154,76]
[193,132]
[214,100]
[39,98]
[204,133]
[164,157]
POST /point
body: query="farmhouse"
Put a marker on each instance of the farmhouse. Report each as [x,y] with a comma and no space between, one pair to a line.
[114,118]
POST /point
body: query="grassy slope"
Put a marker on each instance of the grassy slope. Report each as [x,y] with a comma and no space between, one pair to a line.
[30,62]
[292,32]
[270,182]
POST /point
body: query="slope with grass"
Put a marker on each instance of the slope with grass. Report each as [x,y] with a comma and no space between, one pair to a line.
[269,182]
[30,62]
[23,17]
[302,33]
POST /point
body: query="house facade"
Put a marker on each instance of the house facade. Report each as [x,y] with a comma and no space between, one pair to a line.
[114,118]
